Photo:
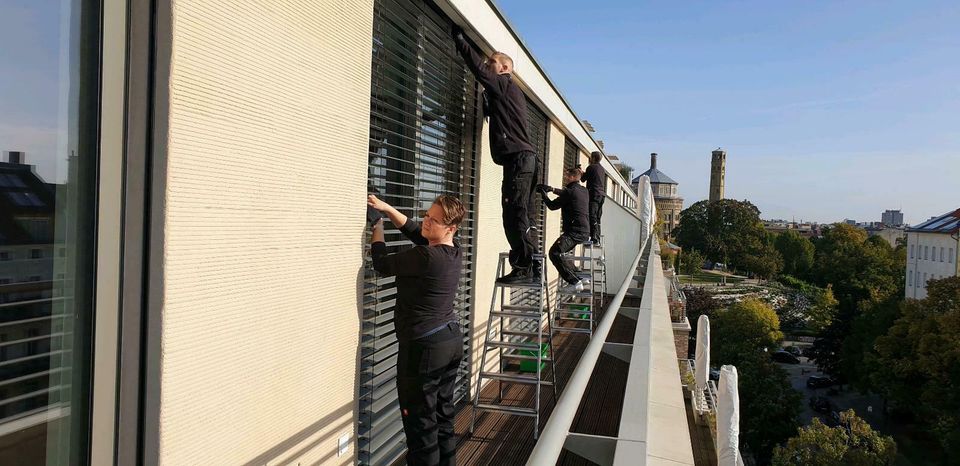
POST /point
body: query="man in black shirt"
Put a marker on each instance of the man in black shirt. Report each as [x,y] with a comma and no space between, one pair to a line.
[510,146]
[572,202]
[430,342]
[596,178]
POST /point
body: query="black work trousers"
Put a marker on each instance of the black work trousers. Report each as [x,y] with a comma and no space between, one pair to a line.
[565,267]
[596,211]
[426,375]
[520,175]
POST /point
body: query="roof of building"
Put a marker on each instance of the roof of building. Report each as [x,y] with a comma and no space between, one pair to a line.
[656,176]
[946,223]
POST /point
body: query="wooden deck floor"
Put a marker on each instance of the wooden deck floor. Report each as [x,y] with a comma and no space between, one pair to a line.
[500,439]
[704,453]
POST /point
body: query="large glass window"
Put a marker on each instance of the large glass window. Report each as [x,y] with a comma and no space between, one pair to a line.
[423,130]
[48,126]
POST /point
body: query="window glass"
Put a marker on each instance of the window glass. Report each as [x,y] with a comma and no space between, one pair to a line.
[48,126]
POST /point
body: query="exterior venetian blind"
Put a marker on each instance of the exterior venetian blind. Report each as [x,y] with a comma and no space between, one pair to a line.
[423,129]
[537,128]
[571,154]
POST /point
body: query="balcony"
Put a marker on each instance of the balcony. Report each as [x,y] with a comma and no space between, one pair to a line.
[621,396]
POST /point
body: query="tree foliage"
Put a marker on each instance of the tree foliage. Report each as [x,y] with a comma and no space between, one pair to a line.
[769,406]
[729,231]
[691,261]
[852,443]
[743,330]
[797,253]
[917,363]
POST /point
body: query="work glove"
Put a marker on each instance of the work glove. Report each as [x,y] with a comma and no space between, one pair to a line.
[544,189]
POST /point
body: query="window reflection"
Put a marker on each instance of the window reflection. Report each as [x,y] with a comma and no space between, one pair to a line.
[47,138]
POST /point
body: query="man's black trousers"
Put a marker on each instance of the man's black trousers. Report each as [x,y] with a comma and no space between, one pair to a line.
[565,267]
[520,174]
[596,211]
[426,373]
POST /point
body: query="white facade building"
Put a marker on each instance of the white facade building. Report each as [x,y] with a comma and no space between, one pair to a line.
[932,252]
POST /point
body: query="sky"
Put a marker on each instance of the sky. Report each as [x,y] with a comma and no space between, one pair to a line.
[827,110]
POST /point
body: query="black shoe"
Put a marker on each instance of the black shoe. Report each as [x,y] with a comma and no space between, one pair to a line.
[517,275]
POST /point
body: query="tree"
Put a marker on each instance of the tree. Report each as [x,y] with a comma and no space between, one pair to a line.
[917,363]
[769,406]
[691,262]
[625,170]
[809,305]
[863,272]
[728,231]
[797,253]
[743,330]
[853,443]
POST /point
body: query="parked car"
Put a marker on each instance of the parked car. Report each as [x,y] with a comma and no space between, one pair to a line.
[714,375]
[820,381]
[785,357]
[793,350]
[821,404]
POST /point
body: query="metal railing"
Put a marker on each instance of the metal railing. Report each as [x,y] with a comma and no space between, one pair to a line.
[554,435]
[704,401]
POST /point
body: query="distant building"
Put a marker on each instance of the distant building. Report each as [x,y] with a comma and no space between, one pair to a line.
[891,235]
[932,252]
[807,230]
[668,202]
[892,218]
[718,173]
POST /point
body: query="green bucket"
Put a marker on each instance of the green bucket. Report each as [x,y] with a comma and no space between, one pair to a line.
[528,365]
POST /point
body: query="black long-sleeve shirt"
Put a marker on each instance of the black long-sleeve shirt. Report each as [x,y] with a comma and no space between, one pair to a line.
[507,106]
[427,279]
[574,205]
[596,178]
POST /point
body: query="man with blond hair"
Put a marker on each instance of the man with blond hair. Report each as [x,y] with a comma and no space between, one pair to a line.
[506,106]
[429,338]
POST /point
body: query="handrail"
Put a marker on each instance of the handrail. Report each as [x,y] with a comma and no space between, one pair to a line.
[554,435]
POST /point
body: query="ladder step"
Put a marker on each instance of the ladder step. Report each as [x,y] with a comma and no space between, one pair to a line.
[518,333]
[525,357]
[517,315]
[520,285]
[514,307]
[569,319]
[572,330]
[578,294]
[515,345]
[520,411]
[514,378]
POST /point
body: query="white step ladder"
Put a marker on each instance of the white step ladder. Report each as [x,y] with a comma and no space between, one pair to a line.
[515,331]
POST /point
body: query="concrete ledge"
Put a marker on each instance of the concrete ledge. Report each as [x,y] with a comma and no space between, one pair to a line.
[653,426]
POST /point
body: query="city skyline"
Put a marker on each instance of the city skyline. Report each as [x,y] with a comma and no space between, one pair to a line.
[827,111]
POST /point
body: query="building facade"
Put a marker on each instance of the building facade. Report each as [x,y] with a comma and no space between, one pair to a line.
[892,218]
[202,292]
[668,201]
[718,174]
[933,250]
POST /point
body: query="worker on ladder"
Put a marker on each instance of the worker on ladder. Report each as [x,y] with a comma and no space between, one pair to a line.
[429,338]
[596,178]
[573,203]
[506,106]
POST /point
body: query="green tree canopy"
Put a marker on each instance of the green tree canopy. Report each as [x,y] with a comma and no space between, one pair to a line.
[691,261]
[743,330]
[728,231]
[769,406]
[917,363]
[852,443]
[797,253]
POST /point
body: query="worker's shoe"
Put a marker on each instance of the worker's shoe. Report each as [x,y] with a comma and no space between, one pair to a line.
[516,276]
[572,287]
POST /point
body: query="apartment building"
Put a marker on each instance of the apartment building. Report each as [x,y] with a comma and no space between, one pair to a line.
[932,252]
[206,292]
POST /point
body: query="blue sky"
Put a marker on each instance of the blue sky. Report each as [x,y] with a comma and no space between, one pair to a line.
[828,110]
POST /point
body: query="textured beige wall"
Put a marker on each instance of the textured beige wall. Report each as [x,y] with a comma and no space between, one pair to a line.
[263,251]
[490,242]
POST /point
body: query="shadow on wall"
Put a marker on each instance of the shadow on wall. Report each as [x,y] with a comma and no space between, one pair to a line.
[287,451]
